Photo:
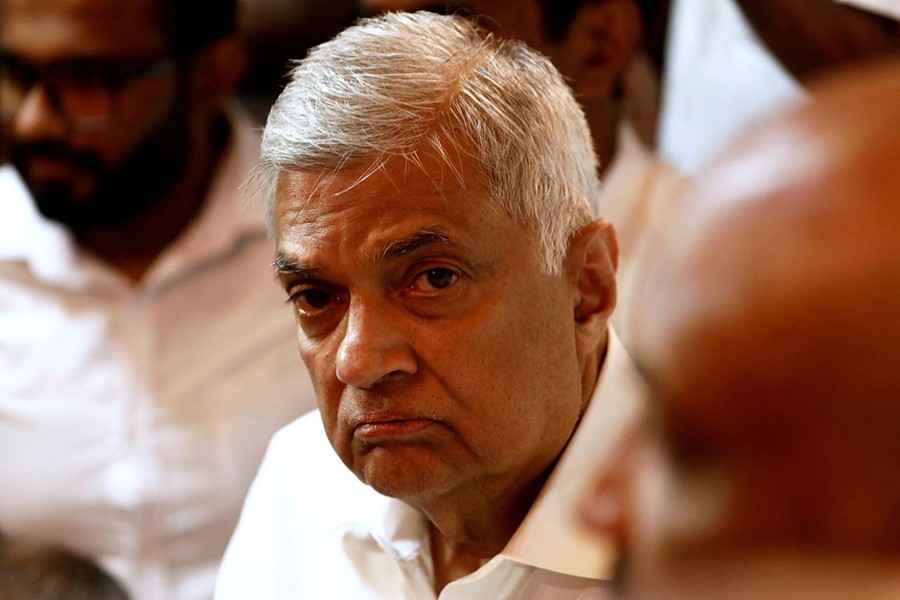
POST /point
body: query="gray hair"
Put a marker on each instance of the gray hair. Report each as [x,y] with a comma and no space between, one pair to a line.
[407,83]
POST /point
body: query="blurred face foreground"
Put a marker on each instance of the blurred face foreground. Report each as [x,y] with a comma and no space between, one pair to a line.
[445,361]
[770,335]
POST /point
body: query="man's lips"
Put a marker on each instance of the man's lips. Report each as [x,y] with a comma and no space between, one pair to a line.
[50,168]
[390,429]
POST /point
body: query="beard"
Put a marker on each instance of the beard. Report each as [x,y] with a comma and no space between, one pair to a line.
[120,195]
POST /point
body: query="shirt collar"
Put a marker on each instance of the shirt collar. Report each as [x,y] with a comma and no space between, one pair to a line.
[401,531]
[551,536]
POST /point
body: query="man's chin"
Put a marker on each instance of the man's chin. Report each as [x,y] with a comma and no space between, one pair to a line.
[407,474]
[64,202]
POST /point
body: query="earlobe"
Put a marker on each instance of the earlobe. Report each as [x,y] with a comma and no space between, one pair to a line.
[592,261]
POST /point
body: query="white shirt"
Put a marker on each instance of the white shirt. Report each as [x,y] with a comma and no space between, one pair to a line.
[720,78]
[311,529]
[638,194]
[134,417]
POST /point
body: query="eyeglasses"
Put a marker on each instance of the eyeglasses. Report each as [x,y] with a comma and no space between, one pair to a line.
[82,91]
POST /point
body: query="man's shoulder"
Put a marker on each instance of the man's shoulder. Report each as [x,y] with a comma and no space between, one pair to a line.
[302,471]
[305,431]
[289,541]
[301,448]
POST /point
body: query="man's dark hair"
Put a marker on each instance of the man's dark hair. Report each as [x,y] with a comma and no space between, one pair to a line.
[559,14]
[31,571]
[194,24]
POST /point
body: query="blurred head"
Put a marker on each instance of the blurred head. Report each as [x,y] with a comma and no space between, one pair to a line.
[771,336]
[434,231]
[30,571]
[589,41]
[103,103]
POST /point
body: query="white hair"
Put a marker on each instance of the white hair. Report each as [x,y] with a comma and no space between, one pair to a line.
[407,83]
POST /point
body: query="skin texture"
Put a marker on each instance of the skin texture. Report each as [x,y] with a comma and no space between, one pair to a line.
[771,338]
[128,188]
[450,370]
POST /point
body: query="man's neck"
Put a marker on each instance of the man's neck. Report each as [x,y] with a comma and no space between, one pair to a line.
[469,528]
[603,120]
[133,247]
[467,532]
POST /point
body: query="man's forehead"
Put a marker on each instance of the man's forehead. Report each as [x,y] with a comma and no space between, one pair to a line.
[424,176]
[390,214]
[59,29]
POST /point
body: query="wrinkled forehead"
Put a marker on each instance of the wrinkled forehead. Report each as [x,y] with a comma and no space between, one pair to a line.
[383,180]
[60,29]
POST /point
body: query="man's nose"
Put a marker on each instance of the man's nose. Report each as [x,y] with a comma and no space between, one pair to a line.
[37,116]
[374,348]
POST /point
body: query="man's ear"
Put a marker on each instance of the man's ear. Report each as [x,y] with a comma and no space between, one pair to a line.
[591,266]
[216,71]
[600,41]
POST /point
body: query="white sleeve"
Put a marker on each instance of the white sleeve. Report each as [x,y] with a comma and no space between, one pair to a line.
[252,566]
[273,541]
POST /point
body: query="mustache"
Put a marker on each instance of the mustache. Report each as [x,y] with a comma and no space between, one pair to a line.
[21,153]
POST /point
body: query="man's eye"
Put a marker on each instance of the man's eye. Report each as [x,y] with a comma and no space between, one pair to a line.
[312,300]
[435,279]
[84,81]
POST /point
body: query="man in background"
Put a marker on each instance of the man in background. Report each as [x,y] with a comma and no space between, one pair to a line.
[145,353]
[771,339]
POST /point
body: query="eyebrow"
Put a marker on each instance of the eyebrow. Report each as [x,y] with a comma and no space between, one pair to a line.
[284,265]
[288,266]
[420,239]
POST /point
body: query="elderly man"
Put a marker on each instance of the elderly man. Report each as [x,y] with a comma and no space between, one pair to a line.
[143,347]
[772,342]
[452,285]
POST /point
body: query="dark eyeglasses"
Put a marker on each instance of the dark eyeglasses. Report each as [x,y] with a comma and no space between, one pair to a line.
[82,91]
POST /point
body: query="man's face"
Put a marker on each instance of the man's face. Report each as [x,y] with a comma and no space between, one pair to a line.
[444,360]
[110,172]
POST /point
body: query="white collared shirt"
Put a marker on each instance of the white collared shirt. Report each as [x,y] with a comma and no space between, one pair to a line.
[134,417]
[639,193]
[311,529]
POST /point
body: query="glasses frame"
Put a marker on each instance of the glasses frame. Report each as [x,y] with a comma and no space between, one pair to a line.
[108,77]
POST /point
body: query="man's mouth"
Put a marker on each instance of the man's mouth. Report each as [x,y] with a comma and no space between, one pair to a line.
[49,168]
[388,430]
